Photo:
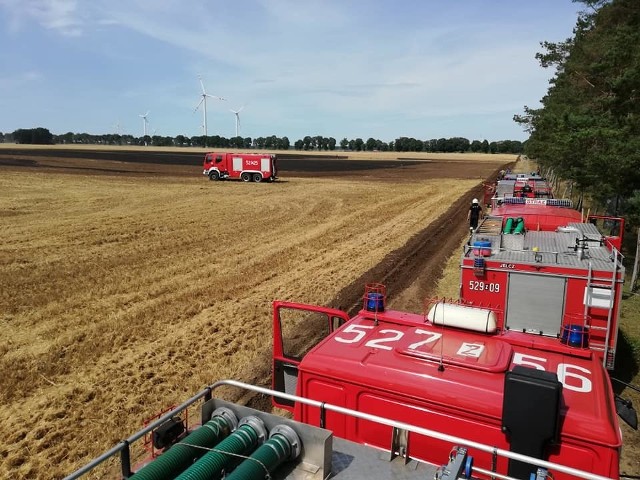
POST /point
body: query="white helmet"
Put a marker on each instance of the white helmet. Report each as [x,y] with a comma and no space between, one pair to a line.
[475,200]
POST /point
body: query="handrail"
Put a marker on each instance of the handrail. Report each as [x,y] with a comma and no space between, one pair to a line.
[614,257]
[614,274]
[345,411]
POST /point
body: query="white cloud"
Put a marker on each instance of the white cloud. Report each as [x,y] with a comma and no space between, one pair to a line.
[60,15]
[313,14]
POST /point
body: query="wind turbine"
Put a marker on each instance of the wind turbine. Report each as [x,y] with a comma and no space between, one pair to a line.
[145,122]
[118,128]
[203,102]
[237,114]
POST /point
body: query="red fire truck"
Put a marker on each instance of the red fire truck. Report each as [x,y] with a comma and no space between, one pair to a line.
[456,370]
[518,185]
[544,271]
[249,167]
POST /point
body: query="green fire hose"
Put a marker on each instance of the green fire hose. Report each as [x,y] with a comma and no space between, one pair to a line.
[179,457]
[242,442]
[283,445]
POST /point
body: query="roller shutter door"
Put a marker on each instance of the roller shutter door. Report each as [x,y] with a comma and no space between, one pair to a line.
[535,303]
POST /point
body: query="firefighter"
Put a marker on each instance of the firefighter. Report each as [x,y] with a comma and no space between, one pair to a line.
[474,214]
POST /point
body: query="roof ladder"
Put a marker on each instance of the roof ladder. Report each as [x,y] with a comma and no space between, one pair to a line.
[610,363]
[606,347]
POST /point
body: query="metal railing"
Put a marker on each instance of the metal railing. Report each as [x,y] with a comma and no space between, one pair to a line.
[123,447]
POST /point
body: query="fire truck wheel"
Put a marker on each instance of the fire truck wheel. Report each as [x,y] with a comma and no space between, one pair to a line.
[245,177]
[257,177]
[214,175]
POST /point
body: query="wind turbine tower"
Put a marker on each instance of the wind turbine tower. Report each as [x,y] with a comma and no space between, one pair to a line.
[145,122]
[237,114]
[203,102]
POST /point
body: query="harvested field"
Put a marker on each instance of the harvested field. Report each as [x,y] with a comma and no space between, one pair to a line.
[125,290]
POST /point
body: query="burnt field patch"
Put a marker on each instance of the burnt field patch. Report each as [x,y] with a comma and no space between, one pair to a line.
[136,163]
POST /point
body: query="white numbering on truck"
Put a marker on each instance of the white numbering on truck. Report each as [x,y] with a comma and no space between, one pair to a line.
[573,377]
[387,336]
[471,350]
[431,338]
[567,373]
[359,332]
[355,333]
[391,336]
[484,286]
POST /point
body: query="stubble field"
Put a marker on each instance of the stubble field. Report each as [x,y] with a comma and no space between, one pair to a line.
[121,294]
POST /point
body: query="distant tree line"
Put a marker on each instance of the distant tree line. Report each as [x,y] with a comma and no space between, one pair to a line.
[37,136]
[308,143]
[447,145]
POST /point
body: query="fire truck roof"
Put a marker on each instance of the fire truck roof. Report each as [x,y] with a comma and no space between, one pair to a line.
[538,216]
[461,371]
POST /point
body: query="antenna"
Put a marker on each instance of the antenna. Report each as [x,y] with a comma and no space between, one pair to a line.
[237,114]
[441,364]
[428,309]
[203,102]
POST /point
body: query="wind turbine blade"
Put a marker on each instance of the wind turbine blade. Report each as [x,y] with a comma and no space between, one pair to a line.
[199,103]
[241,108]
[202,85]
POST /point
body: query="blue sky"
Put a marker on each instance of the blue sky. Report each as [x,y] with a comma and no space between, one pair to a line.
[340,68]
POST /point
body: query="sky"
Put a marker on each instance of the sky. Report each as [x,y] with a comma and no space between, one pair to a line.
[338,68]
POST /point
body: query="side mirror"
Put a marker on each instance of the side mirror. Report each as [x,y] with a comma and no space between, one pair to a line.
[626,412]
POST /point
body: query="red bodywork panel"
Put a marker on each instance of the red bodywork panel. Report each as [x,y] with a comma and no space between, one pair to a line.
[539,217]
[531,188]
[392,368]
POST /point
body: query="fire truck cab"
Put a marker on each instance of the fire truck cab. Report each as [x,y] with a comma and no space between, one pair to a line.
[453,373]
[519,186]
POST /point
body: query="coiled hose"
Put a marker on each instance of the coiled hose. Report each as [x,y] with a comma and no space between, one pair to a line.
[177,458]
[283,445]
[240,443]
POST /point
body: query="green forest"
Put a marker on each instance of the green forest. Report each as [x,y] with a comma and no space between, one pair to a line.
[587,130]
[318,142]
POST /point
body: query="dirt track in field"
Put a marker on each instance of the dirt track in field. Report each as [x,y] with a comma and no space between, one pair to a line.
[54,410]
